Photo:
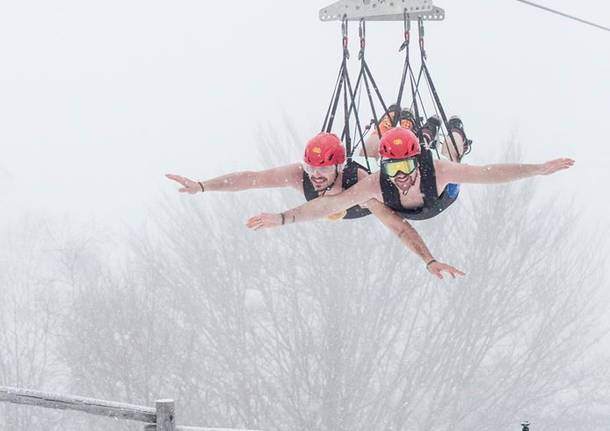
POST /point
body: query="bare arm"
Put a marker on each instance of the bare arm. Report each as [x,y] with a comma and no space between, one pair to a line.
[284,176]
[325,206]
[410,238]
[401,228]
[450,172]
[321,207]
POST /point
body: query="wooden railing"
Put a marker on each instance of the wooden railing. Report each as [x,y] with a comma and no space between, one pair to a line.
[160,418]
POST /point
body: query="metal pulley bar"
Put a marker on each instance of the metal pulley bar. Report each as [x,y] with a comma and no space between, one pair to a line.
[382,10]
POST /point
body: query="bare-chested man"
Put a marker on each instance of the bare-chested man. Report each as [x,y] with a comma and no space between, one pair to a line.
[408,182]
[322,173]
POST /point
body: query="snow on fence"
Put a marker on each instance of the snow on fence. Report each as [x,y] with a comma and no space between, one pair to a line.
[160,418]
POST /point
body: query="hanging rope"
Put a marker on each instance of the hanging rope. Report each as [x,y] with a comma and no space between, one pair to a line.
[343,87]
[434,93]
[334,104]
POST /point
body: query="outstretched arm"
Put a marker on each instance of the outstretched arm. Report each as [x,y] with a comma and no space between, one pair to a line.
[410,238]
[320,207]
[450,172]
[284,176]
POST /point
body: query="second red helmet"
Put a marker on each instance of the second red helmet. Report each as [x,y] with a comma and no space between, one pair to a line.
[399,143]
[324,149]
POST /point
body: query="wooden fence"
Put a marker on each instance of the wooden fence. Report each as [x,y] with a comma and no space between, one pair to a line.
[160,418]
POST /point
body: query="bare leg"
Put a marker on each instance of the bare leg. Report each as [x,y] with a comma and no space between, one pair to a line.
[372,146]
[456,151]
[449,150]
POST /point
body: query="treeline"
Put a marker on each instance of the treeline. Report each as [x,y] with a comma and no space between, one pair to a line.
[326,326]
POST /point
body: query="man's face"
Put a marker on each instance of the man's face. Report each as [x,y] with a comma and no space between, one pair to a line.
[321,177]
[403,181]
[402,172]
[406,124]
[387,121]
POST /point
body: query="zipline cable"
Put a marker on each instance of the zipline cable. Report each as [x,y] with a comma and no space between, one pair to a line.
[565,15]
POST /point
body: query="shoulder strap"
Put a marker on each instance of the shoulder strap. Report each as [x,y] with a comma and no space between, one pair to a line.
[432,203]
[391,195]
[350,173]
[350,177]
[428,178]
[308,190]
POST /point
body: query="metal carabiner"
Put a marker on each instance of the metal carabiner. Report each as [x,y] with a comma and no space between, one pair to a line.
[362,34]
[345,31]
[422,34]
[407,27]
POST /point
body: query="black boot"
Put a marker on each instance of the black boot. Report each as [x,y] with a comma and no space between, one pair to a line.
[456,125]
[430,129]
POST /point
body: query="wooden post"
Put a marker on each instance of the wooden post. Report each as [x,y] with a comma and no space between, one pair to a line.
[166,415]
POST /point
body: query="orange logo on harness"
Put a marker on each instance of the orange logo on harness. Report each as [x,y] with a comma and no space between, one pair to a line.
[337,217]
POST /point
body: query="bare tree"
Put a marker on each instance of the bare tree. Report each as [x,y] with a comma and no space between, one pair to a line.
[353,333]
[29,314]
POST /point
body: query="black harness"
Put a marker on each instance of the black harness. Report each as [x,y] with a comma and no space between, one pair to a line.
[350,177]
[433,203]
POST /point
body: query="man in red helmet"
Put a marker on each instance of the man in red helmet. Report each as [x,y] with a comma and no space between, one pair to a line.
[322,173]
[409,182]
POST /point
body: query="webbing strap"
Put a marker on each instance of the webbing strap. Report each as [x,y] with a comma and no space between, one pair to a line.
[376,88]
[407,66]
[354,109]
[428,76]
[346,126]
[332,107]
[339,86]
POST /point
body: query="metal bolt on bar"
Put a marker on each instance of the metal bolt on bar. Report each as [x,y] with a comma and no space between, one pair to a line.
[381,10]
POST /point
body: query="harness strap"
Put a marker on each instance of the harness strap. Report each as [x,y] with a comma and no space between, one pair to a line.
[339,86]
[433,203]
[350,177]
[428,76]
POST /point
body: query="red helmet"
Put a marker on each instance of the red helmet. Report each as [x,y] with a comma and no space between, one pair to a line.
[399,143]
[324,149]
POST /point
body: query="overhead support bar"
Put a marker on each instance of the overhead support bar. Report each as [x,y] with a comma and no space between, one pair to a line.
[382,10]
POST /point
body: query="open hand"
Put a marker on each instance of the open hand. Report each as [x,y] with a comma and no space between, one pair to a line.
[263,221]
[188,185]
[437,269]
[553,166]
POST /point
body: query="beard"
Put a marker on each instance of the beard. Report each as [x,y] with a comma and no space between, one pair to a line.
[404,185]
[319,183]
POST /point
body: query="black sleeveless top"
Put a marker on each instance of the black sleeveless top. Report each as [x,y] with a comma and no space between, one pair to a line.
[433,203]
[350,177]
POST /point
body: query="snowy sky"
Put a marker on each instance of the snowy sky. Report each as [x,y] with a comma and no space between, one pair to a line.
[99,99]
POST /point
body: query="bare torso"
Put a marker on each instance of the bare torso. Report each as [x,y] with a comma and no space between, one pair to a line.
[411,198]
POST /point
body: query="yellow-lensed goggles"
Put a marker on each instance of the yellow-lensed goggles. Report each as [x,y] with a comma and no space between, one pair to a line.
[394,167]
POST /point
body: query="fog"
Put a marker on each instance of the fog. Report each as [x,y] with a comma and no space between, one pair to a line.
[114,286]
[100,100]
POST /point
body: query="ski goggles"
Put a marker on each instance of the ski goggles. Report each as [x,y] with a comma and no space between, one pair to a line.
[394,167]
[320,170]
